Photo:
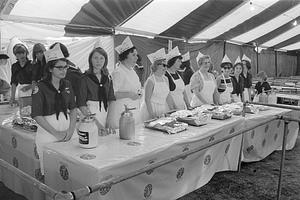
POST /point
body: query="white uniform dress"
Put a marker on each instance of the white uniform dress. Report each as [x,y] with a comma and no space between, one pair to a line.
[124,80]
[225,96]
[207,91]
[158,99]
[177,94]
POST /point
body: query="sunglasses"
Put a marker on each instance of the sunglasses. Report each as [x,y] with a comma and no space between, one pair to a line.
[65,67]
[227,67]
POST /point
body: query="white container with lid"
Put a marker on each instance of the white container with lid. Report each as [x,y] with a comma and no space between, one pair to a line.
[88,132]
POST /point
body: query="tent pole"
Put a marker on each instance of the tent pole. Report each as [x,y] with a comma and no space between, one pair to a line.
[257,60]
[224,48]
[275,63]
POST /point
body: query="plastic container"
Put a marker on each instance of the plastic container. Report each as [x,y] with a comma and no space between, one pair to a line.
[88,133]
[127,125]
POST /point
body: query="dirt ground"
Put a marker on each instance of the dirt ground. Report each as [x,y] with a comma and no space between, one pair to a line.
[256,181]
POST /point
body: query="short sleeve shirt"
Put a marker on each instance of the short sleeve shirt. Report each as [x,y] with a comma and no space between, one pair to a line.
[22,75]
[43,99]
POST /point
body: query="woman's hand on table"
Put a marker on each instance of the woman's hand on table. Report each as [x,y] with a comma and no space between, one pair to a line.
[13,102]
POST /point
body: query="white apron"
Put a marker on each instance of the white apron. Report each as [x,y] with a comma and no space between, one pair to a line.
[43,137]
[225,96]
[115,108]
[177,94]
[158,100]
[207,92]
[100,115]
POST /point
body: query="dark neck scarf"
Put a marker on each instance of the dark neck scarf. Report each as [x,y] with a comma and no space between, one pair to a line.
[102,97]
[60,102]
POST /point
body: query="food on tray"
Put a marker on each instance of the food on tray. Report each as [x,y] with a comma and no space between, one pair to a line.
[166,124]
[182,113]
[221,114]
[25,123]
[197,120]
[25,111]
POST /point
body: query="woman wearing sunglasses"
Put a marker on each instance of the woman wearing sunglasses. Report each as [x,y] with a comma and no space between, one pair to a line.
[224,83]
[51,100]
[157,94]
[96,88]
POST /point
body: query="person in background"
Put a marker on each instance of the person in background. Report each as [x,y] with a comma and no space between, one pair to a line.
[186,73]
[203,83]
[262,85]
[224,83]
[176,84]
[127,86]
[96,88]
[21,74]
[38,61]
[157,99]
[52,98]
[139,69]
[237,81]
[4,85]
[247,77]
[73,73]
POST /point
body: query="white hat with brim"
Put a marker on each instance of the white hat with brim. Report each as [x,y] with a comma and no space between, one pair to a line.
[173,53]
[54,54]
[126,44]
[157,55]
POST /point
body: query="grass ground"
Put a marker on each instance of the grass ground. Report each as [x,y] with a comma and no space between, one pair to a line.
[256,181]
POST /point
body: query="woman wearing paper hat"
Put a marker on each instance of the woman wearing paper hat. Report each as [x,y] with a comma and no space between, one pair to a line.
[176,84]
[22,74]
[203,83]
[127,86]
[237,81]
[96,88]
[51,100]
[157,94]
[224,83]
[247,77]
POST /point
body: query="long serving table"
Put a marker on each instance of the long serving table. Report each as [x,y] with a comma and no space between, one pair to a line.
[18,148]
[69,167]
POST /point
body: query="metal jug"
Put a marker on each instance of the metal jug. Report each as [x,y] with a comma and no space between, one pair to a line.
[88,132]
[127,124]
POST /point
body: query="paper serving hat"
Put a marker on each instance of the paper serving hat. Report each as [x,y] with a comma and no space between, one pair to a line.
[126,44]
[173,53]
[54,54]
[238,60]
[186,57]
[199,56]
[246,58]
[226,59]
[157,55]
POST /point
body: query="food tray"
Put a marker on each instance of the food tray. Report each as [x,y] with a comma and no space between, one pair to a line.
[172,127]
[192,121]
[221,117]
